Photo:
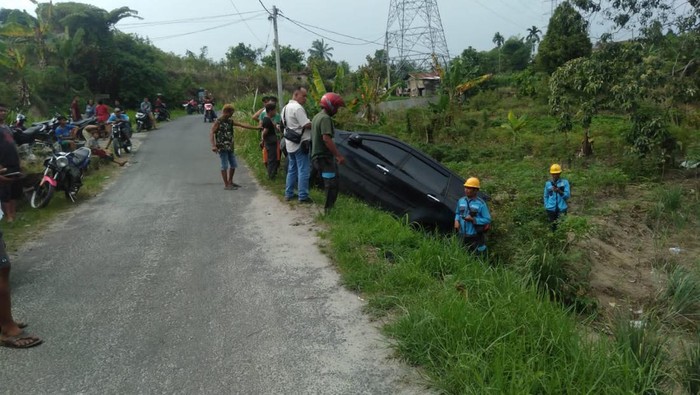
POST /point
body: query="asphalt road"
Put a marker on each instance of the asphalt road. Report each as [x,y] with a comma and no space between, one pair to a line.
[167,283]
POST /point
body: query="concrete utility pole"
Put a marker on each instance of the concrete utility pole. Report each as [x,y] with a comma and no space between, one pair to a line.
[280,97]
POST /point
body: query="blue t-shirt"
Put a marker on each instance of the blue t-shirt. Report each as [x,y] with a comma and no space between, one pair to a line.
[64,132]
[113,117]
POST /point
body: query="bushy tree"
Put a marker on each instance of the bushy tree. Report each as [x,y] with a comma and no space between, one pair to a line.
[242,56]
[516,54]
[566,39]
[291,59]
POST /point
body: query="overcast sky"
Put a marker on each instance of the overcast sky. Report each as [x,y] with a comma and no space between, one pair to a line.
[180,25]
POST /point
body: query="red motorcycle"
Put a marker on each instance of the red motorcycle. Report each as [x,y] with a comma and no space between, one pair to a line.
[209,115]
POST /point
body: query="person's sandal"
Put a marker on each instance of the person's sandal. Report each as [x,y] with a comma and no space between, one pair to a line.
[23,340]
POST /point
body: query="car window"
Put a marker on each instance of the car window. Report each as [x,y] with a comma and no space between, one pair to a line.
[432,178]
[384,151]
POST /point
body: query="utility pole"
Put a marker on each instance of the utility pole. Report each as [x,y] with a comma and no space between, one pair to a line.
[277,55]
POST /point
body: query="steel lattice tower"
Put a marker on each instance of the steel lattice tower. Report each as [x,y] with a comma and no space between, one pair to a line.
[414,33]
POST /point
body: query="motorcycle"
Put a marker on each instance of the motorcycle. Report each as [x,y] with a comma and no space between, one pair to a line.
[191,107]
[143,121]
[43,131]
[120,139]
[161,113]
[209,115]
[63,171]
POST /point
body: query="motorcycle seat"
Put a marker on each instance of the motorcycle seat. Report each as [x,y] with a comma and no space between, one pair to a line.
[32,130]
[80,155]
[85,121]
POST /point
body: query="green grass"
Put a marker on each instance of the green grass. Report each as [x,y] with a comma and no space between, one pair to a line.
[509,325]
[471,327]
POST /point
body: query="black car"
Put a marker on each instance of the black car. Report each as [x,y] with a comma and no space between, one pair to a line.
[399,178]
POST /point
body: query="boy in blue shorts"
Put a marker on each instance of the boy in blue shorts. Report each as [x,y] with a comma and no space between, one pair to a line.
[221,138]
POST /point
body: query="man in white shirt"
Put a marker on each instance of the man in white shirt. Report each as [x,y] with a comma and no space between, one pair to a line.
[298,162]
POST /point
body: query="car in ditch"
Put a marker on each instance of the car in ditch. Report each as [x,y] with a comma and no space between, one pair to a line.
[389,173]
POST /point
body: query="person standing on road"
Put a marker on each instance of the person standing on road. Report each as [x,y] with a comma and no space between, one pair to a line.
[556,193]
[298,163]
[472,217]
[10,192]
[324,153]
[221,138]
[269,140]
[259,114]
[12,334]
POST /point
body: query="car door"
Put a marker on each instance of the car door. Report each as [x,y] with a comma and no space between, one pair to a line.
[386,156]
[431,205]
[366,168]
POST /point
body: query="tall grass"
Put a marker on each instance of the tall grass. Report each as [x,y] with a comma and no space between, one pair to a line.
[683,296]
[472,327]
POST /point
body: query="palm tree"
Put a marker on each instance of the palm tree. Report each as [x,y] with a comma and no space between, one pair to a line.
[533,37]
[320,50]
[498,40]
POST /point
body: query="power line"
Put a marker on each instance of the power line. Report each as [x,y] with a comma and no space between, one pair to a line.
[366,42]
[197,31]
[246,23]
[516,24]
[376,41]
[328,38]
[186,20]
[263,5]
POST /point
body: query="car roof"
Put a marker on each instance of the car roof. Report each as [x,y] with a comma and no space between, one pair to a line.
[344,134]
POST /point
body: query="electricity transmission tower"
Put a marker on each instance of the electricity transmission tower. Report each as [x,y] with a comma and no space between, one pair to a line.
[414,34]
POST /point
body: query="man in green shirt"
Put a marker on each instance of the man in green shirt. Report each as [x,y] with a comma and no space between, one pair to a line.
[324,154]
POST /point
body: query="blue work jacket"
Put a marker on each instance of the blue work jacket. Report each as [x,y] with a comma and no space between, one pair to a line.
[479,211]
[554,201]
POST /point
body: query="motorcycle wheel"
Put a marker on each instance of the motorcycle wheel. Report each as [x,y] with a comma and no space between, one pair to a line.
[41,196]
[117,148]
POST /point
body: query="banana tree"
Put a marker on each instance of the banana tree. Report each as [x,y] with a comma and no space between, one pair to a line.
[371,92]
[515,124]
[13,60]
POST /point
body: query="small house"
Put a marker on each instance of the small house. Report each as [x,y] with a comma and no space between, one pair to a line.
[423,84]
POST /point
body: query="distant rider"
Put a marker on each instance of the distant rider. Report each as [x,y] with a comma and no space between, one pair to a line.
[147,109]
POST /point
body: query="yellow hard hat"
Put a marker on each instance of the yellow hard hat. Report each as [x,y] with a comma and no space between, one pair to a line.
[472,182]
[555,169]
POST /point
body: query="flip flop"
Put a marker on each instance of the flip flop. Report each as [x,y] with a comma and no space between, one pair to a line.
[22,340]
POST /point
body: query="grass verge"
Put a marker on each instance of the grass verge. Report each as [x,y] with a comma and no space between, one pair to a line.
[471,327]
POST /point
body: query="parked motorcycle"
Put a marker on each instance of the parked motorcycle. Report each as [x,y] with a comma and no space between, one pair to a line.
[161,113]
[143,121]
[39,131]
[120,139]
[191,107]
[64,171]
[20,119]
[209,115]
